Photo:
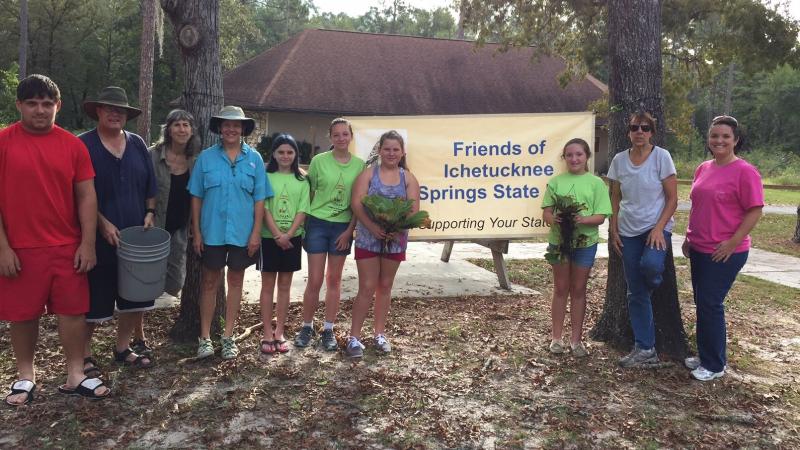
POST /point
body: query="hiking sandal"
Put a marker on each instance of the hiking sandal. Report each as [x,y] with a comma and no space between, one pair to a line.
[138,363]
[140,347]
[87,388]
[93,371]
[229,348]
[21,387]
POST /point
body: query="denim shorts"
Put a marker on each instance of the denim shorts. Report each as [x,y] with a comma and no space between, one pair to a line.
[581,257]
[321,236]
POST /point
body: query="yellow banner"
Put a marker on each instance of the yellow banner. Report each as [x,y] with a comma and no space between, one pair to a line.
[481,176]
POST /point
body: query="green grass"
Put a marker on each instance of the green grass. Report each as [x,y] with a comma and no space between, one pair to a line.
[772,233]
[751,290]
[778,197]
[775,165]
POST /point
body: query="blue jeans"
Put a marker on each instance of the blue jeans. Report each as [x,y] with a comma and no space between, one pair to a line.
[711,282]
[644,269]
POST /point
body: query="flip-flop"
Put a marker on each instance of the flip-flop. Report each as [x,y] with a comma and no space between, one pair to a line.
[93,371]
[270,347]
[21,387]
[86,388]
[281,346]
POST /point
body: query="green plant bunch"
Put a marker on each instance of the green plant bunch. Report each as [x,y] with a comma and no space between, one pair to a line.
[566,208]
[394,215]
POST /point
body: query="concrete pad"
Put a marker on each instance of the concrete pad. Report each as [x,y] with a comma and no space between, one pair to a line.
[774,267]
[423,274]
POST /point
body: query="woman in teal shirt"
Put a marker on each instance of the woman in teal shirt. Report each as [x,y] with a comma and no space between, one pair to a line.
[228,187]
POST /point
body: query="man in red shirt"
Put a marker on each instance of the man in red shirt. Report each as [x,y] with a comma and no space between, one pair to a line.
[48,220]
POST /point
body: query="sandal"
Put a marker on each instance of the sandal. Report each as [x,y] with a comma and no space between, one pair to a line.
[21,387]
[267,347]
[281,346]
[140,347]
[86,388]
[138,363]
[93,371]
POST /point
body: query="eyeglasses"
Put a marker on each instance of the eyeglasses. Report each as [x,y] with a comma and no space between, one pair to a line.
[645,128]
[114,110]
[725,120]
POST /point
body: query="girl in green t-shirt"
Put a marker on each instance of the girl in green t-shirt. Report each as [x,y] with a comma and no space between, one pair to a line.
[281,238]
[582,191]
[329,231]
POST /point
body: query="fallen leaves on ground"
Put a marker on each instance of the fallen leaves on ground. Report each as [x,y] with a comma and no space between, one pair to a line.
[467,372]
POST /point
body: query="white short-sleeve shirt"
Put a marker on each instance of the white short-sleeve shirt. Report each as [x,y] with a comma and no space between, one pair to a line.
[643,196]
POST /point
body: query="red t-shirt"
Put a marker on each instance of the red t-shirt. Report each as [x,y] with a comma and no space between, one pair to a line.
[37,186]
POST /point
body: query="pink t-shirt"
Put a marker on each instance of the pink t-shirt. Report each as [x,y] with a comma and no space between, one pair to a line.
[721,195]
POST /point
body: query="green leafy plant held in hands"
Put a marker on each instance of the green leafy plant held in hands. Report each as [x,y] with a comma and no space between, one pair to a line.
[566,208]
[394,215]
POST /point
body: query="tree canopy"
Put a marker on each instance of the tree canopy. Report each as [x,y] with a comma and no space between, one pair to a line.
[701,41]
[85,45]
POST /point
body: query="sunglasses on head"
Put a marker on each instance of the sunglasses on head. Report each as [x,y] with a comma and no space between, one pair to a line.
[645,128]
[725,120]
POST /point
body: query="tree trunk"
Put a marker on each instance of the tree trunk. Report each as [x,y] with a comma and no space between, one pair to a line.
[146,68]
[23,39]
[727,108]
[196,25]
[634,41]
[460,31]
[796,238]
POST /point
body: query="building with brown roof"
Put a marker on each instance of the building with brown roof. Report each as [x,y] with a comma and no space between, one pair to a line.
[300,85]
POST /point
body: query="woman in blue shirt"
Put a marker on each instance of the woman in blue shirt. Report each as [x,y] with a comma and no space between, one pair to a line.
[228,187]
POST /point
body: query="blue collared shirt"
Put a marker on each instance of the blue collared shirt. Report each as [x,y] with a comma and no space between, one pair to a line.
[229,192]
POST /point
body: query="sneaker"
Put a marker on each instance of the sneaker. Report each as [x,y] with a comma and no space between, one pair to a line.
[579,350]
[639,357]
[703,374]
[328,341]
[354,348]
[304,337]
[557,347]
[382,345]
[229,348]
[205,347]
[693,362]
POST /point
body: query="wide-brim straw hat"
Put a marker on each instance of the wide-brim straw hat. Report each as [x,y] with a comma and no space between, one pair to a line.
[232,113]
[112,96]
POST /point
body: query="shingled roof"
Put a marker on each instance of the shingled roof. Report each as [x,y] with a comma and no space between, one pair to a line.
[342,72]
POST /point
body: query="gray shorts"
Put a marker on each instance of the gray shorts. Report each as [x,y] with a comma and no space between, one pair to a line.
[215,257]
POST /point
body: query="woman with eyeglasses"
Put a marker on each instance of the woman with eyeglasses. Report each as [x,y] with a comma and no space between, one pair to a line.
[727,198]
[644,196]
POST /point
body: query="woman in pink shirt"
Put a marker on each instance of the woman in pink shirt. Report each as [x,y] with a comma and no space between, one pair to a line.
[727,197]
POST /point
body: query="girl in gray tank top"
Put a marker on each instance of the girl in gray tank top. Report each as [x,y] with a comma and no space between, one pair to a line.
[364,238]
[377,265]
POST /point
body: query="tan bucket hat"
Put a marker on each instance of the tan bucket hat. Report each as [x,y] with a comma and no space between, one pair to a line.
[232,113]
